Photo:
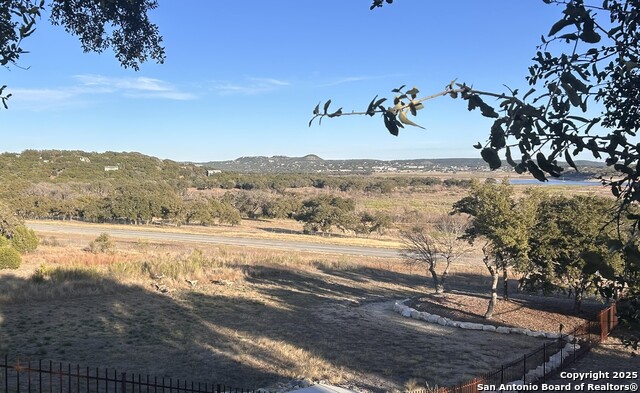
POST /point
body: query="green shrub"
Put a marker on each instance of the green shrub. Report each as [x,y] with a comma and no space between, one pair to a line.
[42,274]
[24,239]
[9,258]
[101,244]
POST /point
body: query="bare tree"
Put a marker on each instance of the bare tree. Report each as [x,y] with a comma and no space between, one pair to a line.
[420,250]
[425,250]
[449,230]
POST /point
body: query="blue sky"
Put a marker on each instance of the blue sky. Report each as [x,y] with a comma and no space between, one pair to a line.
[242,77]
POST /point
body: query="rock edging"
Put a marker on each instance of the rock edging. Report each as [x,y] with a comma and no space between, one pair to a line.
[408,312]
[554,362]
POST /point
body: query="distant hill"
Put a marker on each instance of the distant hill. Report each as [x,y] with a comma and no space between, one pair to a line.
[79,166]
[313,164]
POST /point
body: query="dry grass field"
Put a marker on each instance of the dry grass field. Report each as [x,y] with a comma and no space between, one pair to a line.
[251,318]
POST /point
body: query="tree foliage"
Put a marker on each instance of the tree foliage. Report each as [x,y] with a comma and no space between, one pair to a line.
[569,246]
[321,213]
[583,96]
[9,258]
[14,233]
[24,239]
[122,25]
[503,223]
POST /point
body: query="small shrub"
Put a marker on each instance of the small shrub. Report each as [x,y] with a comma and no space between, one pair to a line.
[42,274]
[101,244]
[24,239]
[9,258]
[50,241]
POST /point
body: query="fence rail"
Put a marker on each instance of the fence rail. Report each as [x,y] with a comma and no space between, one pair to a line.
[536,366]
[48,377]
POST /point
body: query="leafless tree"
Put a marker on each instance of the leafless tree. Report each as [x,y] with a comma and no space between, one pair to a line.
[420,251]
[425,250]
[449,230]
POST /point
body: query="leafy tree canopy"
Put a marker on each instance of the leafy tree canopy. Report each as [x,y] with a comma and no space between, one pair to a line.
[583,96]
[122,25]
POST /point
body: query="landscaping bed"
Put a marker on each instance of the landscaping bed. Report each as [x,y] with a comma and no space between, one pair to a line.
[521,311]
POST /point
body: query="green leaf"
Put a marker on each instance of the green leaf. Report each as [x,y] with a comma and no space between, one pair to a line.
[574,98]
[490,156]
[535,171]
[588,33]
[559,25]
[398,90]
[390,123]
[371,109]
[498,140]
[569,160]
[624,169]
[509,158]
[527,94]
[326,106]
[336,113]
[316,110]
[379,102]
[488,111]
[478,146]
[548,166]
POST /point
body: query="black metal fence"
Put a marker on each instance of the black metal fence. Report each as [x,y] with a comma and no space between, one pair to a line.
[536,366]
[49,377]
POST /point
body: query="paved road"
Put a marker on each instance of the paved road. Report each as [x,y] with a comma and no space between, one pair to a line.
[52,227]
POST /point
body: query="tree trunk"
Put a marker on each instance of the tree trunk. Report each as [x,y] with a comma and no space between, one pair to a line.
[577,300]
[445,273]
[494,288]
[505,281]
[436,282]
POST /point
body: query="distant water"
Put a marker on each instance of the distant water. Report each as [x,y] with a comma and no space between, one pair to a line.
[555,182]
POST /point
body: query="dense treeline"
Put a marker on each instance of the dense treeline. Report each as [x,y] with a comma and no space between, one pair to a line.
[148,202]
[137,189]
[114,169]
[577,244]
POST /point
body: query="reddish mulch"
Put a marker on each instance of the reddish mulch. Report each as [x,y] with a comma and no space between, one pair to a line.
[530,312]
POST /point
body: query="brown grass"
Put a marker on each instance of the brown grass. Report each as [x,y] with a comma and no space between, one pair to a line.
[252,319]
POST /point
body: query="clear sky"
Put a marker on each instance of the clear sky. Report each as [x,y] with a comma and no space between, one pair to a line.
[241,78]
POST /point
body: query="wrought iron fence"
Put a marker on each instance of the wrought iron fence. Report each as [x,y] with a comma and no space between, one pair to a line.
[25,376]
[536,366]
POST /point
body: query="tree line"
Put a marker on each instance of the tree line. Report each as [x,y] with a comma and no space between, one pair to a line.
[150,202]
[555,243]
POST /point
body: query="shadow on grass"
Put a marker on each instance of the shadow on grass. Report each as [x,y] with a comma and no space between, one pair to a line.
[98,322]
[280,324]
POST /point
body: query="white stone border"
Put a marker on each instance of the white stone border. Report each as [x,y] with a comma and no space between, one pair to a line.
[552,364]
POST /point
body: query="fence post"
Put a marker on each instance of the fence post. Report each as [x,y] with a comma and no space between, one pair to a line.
[544,362]
[6,373]
[502,374]
[218,389]
[124,383]
[562,357]
[524,368]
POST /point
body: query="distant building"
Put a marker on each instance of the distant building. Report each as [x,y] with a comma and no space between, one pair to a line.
[111,168]
[213,171]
